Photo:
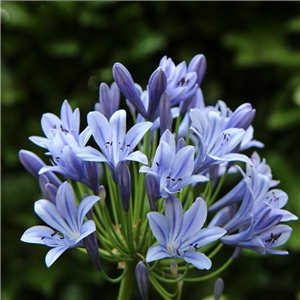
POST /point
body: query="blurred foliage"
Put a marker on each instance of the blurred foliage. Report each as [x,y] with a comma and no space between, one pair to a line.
[52,50]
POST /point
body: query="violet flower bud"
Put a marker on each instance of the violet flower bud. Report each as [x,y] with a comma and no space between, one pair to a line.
[127,86]
[142,280]
[152,190]
[91,244]
[157,85]
[218,289]
[164,112]
[198,65]
[124,181]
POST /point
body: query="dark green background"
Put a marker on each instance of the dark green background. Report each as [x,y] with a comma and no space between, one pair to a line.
[57,50]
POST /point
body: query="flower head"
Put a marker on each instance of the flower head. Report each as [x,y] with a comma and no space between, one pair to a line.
[180,235]
[67,227]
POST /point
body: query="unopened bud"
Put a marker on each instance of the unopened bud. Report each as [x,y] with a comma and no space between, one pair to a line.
[141,274]
[152,190]
[218,289]
[124,182]
[174,268]
[102,194]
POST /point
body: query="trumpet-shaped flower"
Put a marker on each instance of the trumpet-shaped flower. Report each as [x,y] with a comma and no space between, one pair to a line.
[64,150]
[68,123]
[67,227]
[171,169]
[116,145]
[183,81]
[216,144]
[180,235]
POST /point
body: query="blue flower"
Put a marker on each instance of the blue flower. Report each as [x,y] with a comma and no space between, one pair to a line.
[255,224]
[180,235]
[67,227]
[64,150]
[183,81]
[116,145]
[216,144]
[68,123]
[172,169]
[63,140]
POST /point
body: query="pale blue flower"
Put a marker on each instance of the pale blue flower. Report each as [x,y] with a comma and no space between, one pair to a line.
[259,213]
[64,150]
[172,169]
[63,140]
[216,145]
[180,235]
[116,145]
[68,123]
[67,227]
[183,82]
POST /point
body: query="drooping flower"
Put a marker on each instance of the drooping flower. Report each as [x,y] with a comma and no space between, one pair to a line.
[172,169]
[180,235]
[67,227]
[116,145]
[254,225]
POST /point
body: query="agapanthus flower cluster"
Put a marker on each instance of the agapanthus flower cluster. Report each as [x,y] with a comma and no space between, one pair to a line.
[146,196]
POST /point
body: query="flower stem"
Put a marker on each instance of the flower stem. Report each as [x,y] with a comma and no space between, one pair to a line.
[127,282]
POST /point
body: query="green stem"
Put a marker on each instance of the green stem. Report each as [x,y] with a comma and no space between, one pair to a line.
[214,196]
[221,269]
[127,283]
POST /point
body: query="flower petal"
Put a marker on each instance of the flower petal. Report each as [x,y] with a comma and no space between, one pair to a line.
[199,260]
[137,156]
[135,134]
[194,218]
[100,129]
[118,130]
[84,206]
[203,237]
[87,228]
[174,215]
[157,252]
[91,154]
[36,234]
[183,164]
[54,254]
[47,211]
[66,205]
[159,226]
